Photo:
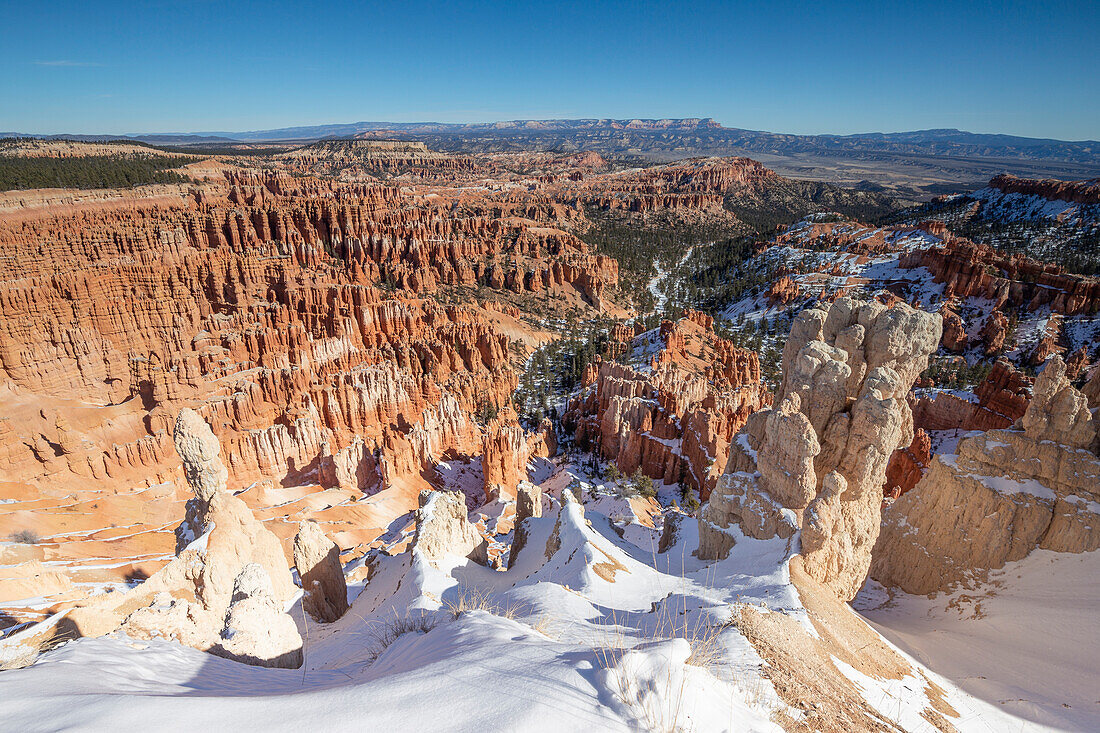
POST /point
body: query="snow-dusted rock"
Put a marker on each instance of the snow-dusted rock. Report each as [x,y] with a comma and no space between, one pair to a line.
[1005,493]
[318,561]
[528,505]
[187,598]
[256,629]
[1058,412]
[199,450]
[443,528]
[821,454]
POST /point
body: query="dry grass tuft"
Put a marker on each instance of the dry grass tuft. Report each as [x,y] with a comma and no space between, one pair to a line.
[390,631]
[476,600]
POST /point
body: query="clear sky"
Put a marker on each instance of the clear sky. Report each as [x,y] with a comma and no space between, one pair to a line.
[1027,68]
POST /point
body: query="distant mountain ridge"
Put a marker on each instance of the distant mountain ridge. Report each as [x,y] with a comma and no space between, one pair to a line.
[690,135]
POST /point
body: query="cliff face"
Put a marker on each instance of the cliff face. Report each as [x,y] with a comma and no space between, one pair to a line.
[674,417]
[970,269]
[1077,192]
[1005,493]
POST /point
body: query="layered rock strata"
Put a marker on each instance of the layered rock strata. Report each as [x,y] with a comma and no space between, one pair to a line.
[1003,494]
[1002,398]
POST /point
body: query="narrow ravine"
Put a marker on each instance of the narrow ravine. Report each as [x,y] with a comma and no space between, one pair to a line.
[655,285]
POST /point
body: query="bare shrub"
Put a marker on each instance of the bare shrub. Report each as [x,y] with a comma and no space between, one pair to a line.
[25,537]
[476,600]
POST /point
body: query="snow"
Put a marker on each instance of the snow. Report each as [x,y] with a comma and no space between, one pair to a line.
[590,629]
[1024,641]
[1026,207]
[611,656]
[1006,485]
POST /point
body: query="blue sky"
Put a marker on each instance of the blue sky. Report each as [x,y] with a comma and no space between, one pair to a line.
[1023,68]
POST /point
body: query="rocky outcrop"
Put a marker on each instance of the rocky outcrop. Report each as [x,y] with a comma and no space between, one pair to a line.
[1078,192]
[443,528]
[1077,361]
[257,631]
[672,418]
[993,332]
[784,290]
[233,536]
[1003,494]
[283,309]
[817,461]
[232,578]
[1047,343]
[504,455]
[1002,398]
[907,465]
[317,558]
[954,332]
[528,504]
[1058,412]
[969,269]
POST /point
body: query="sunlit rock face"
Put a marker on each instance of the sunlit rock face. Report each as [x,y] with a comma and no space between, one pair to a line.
[816,462]
[1003,494]
[673,409]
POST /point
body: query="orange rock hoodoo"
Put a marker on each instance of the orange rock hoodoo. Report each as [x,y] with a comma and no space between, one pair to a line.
[907,465]
[675,417]
[266,302]
[1003,397]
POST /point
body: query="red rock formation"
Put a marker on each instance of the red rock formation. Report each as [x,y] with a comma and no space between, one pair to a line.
[504,456]
[907,465]
[783,291]
[1078,192]
[1077,361]
[286,310]
[970,269]
[675,419]
[1003,398]
[954,333]
[1048,342]
[993,332]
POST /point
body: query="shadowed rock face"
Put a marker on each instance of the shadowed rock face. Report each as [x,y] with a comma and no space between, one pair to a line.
[817,461]
[1003,494]
[318,561]
[528,505]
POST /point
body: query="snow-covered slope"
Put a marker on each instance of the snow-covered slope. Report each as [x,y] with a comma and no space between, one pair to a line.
[998,204]
[1024,639]
[585,632]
